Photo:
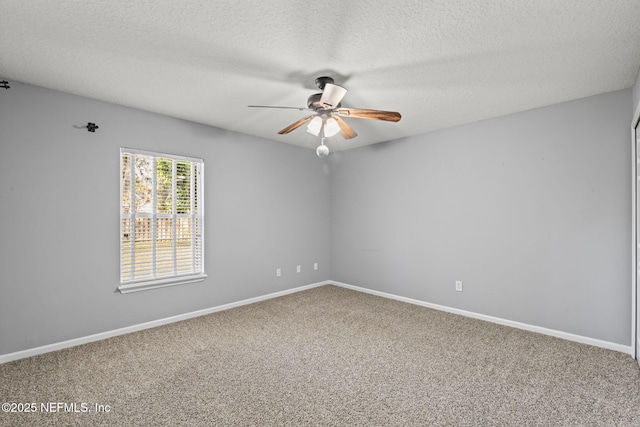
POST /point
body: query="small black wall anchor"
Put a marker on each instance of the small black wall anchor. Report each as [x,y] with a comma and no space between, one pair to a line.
[4,84]
[91,127]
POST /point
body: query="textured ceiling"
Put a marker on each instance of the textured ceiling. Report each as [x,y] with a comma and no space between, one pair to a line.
[440,62]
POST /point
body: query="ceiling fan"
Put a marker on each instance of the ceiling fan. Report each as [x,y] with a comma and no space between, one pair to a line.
[328,112]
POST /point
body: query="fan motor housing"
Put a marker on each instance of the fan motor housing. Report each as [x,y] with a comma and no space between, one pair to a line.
[313,103]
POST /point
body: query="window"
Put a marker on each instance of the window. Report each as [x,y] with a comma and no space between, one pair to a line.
[161,220]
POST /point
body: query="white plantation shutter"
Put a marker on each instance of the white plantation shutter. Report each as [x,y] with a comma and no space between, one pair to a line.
[161,220]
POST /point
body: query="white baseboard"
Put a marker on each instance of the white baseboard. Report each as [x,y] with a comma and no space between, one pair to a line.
[147,325]
[627,349]
[4,358]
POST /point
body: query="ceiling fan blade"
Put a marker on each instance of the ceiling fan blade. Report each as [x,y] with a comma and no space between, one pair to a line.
[271,106]
[296,125]
[332,95]
[358,113]
[346,131]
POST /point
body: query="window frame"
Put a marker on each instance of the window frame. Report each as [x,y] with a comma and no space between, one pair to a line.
[133,284]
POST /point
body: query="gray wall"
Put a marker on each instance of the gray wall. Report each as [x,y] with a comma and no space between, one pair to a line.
[532,211]
[267,206]
[636,93]
[636,107]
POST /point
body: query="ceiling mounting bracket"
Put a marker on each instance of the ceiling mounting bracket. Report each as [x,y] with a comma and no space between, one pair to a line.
[321,81]
[4,84]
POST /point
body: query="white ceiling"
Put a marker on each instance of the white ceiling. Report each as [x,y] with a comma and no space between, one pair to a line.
[438,62]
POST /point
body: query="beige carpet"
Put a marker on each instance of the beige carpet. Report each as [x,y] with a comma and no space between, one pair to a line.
[328,357]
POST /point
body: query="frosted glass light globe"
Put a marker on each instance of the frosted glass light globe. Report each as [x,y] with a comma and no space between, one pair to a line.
[331,127]
[322,151]
[315,125]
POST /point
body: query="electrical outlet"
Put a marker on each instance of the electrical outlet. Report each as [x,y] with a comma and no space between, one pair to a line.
[278,272]
[315,265]
[298,269]
[459,285]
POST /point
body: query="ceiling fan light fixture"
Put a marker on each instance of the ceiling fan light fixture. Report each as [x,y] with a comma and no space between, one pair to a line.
[331,127]
[315,125]
[326,115]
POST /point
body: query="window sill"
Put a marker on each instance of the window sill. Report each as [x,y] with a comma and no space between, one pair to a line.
[160,283]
